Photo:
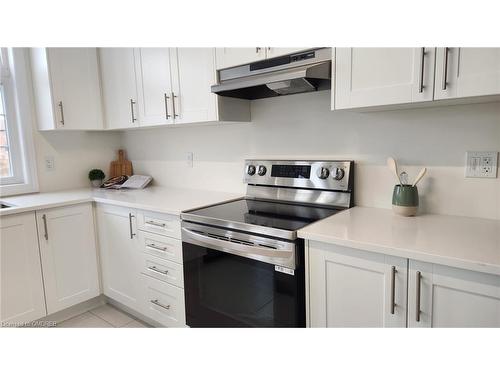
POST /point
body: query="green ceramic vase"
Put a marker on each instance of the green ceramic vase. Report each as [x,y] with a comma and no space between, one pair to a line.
[405,200]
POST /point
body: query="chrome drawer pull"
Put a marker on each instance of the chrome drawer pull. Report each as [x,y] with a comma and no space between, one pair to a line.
[155,269]
[156,247]
[163,225]
[417,299]
[393,289]
[155,302]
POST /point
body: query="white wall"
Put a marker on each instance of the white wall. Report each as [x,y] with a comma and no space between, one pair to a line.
[302,126]
[75,154]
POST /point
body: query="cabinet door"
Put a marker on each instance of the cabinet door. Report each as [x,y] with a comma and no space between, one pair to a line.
[21,285]
[441,296]
[466,72]
[69,256]
[119,254]
[232,56]
[367,77]
[155,87]
[352,288]
[280,51]
[193,73]
[119,88]
[76,88]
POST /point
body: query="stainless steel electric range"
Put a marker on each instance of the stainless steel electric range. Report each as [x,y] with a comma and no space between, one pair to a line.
[243,262]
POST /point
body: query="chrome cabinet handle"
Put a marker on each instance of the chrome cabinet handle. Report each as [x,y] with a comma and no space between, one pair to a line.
[173,104]
[46,234]
[422,67]
[132,102]
[417,292]
[155,302]
[155,269]
[156,247]
[62,112]
[166,97]
[393,289]
[132,234]
[150,222]
[445,68]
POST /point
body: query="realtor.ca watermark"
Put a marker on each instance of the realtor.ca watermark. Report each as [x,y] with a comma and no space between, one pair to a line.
[36,324]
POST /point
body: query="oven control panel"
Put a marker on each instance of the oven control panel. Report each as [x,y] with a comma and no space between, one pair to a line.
[317,174]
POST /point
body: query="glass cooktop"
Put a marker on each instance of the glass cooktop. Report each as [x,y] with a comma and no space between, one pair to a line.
[252,212]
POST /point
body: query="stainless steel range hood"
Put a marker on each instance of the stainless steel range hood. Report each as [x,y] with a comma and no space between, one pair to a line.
[291,74]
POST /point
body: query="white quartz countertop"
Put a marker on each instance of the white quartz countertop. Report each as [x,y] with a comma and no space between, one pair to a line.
[455,241]
[154,198]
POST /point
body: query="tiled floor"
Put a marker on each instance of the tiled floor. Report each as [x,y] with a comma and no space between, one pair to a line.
[105,316]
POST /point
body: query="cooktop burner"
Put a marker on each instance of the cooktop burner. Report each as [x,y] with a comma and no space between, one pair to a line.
[285,216]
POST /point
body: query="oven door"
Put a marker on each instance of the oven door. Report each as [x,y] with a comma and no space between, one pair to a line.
[233,279]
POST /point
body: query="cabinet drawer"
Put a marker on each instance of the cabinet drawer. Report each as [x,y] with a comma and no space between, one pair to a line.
[160,246]
[166,225]
[163,302]
[163,270]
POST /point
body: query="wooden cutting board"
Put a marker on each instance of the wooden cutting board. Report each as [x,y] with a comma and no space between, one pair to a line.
[121,166]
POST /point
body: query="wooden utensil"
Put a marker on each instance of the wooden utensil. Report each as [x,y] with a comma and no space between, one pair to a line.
[420,175]
[391,163]
[121,166]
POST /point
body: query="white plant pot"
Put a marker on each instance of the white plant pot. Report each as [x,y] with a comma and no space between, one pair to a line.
[96,183]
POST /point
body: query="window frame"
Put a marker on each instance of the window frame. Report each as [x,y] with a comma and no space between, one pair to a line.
[18,101]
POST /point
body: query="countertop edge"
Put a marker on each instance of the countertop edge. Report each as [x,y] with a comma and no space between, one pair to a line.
[404,253]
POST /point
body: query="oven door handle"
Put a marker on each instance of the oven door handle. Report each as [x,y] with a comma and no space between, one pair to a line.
[258,252]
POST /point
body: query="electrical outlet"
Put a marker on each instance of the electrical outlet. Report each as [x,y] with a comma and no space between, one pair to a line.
[481,164]
[190,159]
[49,163]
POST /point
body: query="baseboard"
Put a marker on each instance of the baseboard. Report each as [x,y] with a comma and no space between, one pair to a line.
[75,310]
[133,312]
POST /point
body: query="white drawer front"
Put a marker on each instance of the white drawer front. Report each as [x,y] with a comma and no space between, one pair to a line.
[164,303]
[160,246]
[163,270]
[166,225]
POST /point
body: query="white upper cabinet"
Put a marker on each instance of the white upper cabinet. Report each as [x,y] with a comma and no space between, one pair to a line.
[119,88]
[440,296]
[352,288]
[232,56]
[69,255]
[153,67]
[280,51]
[21,285]
[366,77]
[193,72]
[67,90]
[467,72]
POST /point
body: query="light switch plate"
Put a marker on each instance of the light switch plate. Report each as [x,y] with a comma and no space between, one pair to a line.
[190,159]
[481,164]
[49,163]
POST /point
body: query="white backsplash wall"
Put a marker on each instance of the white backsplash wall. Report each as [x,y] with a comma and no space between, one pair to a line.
[75,153]
[302,126]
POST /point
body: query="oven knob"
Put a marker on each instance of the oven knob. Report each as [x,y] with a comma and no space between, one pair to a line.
[338,174]
[251,170]
[323,173]
[262,170]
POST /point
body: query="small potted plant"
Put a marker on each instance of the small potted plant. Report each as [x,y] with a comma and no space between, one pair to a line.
[96,176]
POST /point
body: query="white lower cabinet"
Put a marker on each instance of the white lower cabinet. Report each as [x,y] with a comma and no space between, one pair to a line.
[120,260]
[354,288]
[440,296]
[21,286]
[351,288]
[141,257]
[69,256]
[163,302]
